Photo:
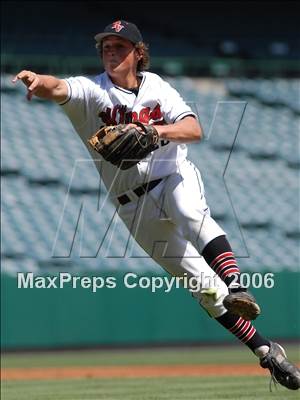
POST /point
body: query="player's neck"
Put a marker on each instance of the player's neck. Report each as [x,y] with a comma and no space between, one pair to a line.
[127,82]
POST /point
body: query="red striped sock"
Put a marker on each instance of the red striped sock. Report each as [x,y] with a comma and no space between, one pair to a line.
[243,330]
[219,255]
[226,267]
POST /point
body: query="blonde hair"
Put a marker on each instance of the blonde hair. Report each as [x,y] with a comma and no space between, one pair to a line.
[142,48]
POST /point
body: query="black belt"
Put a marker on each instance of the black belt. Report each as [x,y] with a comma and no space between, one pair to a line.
[139,191]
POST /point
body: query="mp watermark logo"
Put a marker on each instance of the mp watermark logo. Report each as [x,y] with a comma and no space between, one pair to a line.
[72,235]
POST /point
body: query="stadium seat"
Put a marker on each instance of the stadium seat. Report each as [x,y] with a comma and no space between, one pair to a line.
[251,187]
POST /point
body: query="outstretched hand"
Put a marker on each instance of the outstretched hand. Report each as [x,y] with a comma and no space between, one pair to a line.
[30,79]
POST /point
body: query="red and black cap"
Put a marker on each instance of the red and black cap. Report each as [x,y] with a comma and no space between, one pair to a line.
[121,28]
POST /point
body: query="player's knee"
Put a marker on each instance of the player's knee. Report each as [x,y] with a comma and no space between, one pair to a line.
[211,299]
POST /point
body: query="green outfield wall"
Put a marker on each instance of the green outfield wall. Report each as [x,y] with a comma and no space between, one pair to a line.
[67,317]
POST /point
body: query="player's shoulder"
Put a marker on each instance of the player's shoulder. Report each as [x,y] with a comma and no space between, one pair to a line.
[79,78]
[158,83]
[151,77]
[84,81]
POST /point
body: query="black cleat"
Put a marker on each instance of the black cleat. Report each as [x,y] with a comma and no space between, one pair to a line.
[242,304]
[282,371]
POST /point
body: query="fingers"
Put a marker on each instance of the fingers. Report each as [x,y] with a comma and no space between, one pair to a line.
[29,95]
[24,76]
[131,125]
[33,82]
[30,80]
[128,126]
[18,76]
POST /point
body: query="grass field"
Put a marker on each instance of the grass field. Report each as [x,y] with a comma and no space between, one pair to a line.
[143,388]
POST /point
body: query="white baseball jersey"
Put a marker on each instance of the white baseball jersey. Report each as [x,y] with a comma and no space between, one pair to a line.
[92,104]
[168,214]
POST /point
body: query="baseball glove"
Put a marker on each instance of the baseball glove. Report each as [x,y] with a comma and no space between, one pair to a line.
[125,148]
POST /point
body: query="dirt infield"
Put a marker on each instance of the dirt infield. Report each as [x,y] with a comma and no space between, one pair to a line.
[131,371]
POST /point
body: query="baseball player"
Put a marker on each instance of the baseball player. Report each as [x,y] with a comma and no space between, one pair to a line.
[160,195]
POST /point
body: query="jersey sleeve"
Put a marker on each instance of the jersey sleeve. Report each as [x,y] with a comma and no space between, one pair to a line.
[85,99]
[173,106]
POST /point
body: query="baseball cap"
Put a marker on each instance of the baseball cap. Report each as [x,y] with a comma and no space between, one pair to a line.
[121,28]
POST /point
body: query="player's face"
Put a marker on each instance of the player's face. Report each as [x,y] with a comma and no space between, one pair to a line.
[119,55]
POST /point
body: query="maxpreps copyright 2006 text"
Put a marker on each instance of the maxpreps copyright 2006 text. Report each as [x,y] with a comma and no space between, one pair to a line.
[28,280]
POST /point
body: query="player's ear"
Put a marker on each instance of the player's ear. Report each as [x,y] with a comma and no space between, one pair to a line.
[139,54]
